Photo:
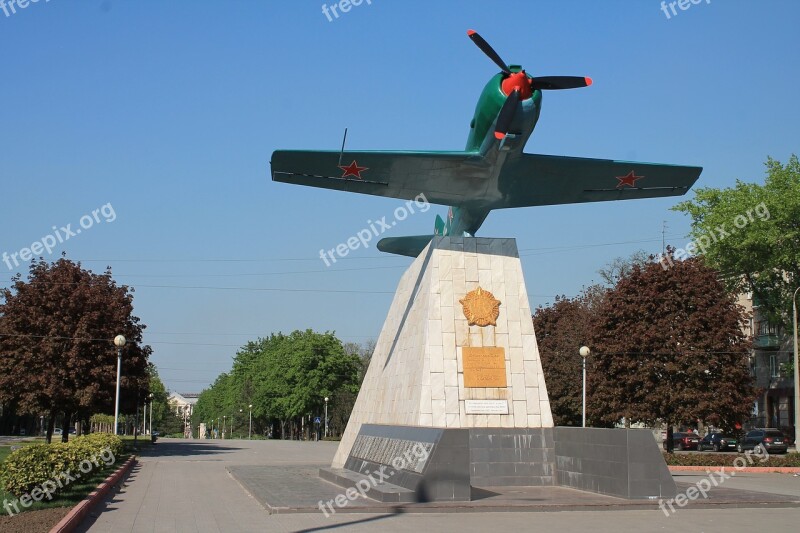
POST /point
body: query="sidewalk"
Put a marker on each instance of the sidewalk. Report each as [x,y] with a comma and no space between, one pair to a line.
[185,486]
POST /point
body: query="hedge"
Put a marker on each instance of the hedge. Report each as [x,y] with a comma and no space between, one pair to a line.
[727,459]
[30,466]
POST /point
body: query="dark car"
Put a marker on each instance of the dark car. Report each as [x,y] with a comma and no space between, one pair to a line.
[718,442]
[683,441]
[771,440]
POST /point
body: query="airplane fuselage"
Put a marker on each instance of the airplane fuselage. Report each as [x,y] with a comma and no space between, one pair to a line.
[465,220]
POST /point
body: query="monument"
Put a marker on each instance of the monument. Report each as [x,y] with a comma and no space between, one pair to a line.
[455,398]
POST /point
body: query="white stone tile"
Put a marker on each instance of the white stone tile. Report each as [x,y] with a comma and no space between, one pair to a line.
[439,412]
[520,414]
[425,405]
[529,350]
[451,399]
[462,329]
[451,373]
[453,420]
[426,420]
[532,397]
[518,386]
[449,345]
[493,421]
[547,415]
[471,269]
[514,334]
[436,359]
[435,332]
[534,421]
[516,361]
[485,279]
[437,386]
[448,319]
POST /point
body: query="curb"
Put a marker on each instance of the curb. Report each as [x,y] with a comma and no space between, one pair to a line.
[753,469]
[81,510]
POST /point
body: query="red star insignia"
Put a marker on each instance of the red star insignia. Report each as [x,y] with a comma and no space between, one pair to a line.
[353,170]
[629,180]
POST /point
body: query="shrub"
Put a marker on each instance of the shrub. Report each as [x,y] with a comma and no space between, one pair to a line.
[30,466]
[726,459]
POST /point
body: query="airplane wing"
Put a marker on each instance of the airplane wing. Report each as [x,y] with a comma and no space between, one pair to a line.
[448,178]
[530,180]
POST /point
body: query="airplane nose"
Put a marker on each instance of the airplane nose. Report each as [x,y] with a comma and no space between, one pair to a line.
[518,81]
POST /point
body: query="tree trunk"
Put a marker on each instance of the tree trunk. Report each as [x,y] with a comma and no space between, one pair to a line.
[670,443]
[65,427]
[51,424]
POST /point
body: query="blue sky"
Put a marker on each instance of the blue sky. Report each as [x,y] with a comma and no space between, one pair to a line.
[170,111]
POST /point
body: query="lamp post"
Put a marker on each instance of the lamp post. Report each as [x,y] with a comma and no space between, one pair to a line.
[240,412]
[151,412]
[326,416]
[796,377]
[119,342]
[250,416]
[223,426]
[584,351]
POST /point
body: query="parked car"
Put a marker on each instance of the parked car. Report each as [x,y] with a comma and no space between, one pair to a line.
[718,442]
[683,441]
[57,431]
[771,440]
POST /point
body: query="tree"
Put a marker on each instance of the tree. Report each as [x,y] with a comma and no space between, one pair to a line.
[621,267]
[751,233]
[668,346]
[56,334]
[285,378]
[561,329]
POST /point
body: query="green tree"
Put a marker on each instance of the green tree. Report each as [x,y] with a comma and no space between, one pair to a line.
[668,346]
[751,233]
[286,379]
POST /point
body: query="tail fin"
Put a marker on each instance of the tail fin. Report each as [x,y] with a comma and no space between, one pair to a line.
[411,246]
[438,226]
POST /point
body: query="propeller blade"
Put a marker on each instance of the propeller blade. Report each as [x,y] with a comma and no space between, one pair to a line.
[506,115]
[560,82]
[488,50]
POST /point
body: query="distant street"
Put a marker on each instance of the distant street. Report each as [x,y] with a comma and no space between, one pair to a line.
[184,486]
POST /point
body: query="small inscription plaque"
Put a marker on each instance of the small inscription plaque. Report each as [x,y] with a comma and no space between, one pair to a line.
[484,367]
[486,407]
[401,454]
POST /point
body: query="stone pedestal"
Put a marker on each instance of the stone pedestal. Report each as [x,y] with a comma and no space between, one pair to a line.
[455,399]
[416,375]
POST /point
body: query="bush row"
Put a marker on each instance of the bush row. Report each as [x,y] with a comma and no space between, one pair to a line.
[30,466]
[727,459]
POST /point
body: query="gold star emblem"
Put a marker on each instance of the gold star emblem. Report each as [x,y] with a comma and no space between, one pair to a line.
[481,308]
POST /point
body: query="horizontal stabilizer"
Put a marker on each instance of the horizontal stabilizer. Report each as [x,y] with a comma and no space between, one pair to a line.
[411,246]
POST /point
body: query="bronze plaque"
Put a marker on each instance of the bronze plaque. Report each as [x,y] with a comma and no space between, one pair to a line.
[484,367]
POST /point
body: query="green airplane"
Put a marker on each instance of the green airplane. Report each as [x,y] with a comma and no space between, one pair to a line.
[492,172]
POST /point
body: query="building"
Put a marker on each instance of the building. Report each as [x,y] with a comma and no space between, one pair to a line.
[183,404]
[771,356]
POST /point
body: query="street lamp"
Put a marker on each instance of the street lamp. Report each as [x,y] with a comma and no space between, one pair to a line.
[796,376]
[250,416]
[151,412]
[223,425]
[240,412]
[326,416]
[119,342]
[584,351]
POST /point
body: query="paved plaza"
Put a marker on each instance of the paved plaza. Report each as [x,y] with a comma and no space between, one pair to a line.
[216,486]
